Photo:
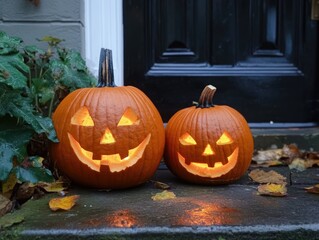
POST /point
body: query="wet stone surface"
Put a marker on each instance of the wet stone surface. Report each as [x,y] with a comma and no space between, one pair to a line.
[232,211]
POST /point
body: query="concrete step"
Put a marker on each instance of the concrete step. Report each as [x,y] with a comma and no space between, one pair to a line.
[232,211]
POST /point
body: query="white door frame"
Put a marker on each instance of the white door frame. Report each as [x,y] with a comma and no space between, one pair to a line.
[103,28]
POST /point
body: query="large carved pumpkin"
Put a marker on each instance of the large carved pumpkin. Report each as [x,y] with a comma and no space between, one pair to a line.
[207,143]
[109,137]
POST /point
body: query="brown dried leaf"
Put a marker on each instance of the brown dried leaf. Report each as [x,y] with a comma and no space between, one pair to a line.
[64,203]
[165,195]
[261,176]
[291,151]
[25,192]
[161,185]
[313,189]
[264,156]
[271,189]
[5,205]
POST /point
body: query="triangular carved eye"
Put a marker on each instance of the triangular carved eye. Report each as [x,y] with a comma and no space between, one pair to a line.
[129,118]
[187,139]
[225,139]
[82,118]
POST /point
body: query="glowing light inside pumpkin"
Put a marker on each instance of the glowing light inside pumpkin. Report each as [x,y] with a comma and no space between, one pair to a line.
[129,118]
[225,139]
[208,151]
[203,170]
[82,118]
[114,161]
[107,137]
[186,139]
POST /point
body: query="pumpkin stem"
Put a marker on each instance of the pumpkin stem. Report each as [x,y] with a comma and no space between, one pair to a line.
[206,97]
[106,74]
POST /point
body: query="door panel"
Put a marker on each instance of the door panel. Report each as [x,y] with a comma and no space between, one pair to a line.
[260,54]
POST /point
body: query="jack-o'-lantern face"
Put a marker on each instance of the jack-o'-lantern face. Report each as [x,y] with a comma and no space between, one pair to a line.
[114,161]
[212,159]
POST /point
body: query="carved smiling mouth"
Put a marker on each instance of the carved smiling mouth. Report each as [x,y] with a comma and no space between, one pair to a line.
[203,170]
[114,161]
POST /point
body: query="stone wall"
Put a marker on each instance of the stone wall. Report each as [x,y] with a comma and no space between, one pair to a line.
[63,19]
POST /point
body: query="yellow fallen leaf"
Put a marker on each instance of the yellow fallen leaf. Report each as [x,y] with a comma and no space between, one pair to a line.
[9,184]
[64,203]
[163,195]
[52,187]
[261,176]
[271,189]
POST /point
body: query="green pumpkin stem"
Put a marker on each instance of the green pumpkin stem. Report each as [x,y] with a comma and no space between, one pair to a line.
[206,97]
[106,74]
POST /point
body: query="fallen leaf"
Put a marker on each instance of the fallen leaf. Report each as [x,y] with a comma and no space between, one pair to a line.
[263,156]
[161,185]
[271,189]
[291,151]
[165,195]
[5,205]
[55,187]
[25,192]
[261,176]
[313,189]
[300,164]
[63,203]
[275,157]
[9,184]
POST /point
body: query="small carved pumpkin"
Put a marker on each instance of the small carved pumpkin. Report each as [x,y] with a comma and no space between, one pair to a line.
[207,143]
[109,137]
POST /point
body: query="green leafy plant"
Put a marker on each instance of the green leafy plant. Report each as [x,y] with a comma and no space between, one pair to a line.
[32,83]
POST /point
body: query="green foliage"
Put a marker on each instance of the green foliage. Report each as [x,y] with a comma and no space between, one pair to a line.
[32,83]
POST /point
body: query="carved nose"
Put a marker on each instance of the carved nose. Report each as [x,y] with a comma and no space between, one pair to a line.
[208,151]
[107,137]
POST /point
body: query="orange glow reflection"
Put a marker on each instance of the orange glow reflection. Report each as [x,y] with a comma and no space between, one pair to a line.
[206,214]
[122,218]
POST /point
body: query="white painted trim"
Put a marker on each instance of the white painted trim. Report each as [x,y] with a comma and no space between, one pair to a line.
[103,26]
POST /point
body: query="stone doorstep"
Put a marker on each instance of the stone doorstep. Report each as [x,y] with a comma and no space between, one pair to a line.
[304,138]
[232,211]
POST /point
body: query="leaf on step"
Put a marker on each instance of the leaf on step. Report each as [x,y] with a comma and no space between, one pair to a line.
[300,164]
[64,203]
[275,157]
[165,195]
[9,184]
[161,185]
[55,187]
[313,189]
[264,156]
[271,189]
[5,205]
[261,176]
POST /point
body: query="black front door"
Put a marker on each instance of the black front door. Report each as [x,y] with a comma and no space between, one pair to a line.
[261,55]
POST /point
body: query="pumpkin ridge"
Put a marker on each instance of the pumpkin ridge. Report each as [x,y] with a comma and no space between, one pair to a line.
[134,92]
